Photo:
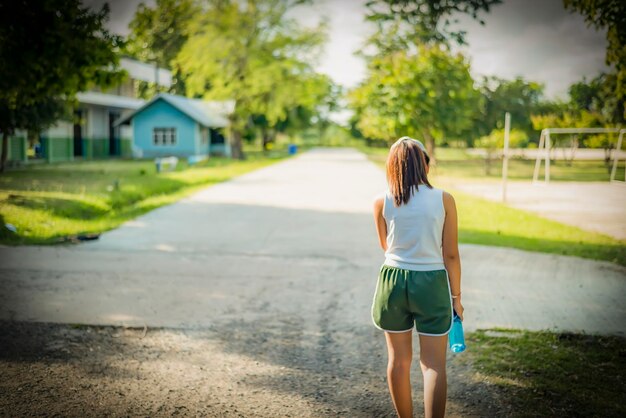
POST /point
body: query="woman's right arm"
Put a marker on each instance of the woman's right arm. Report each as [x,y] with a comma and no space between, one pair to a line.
[450,248]
[379,221]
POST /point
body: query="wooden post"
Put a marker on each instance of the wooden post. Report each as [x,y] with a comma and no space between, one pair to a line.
[505,155]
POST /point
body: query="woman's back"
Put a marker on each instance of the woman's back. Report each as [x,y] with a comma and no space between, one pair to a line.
[414,230]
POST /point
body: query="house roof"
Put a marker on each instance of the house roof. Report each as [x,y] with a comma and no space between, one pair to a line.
[110,100]
[206,113]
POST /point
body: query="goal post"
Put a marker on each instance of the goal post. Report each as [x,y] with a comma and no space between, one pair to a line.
[543,149]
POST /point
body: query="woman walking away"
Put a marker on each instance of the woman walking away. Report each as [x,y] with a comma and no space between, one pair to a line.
[419,284]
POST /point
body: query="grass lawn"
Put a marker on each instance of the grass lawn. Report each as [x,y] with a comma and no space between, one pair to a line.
[491,223]
[49,202]
[548,374]
[457,163]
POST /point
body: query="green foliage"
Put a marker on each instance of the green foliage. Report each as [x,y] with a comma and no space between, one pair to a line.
[567,119]
[599,95]
[158,34]
[405,23]
[519,97]
[415,86]
[428,94]
[49,51]
[609,15]
[495,140]
[578,119]
[606,141]
[256,55]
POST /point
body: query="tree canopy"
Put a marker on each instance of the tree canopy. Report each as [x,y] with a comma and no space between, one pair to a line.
[402,24]
[609,15]
[49,51]
[519,97]
[157,35]
[255,55]
[428,94]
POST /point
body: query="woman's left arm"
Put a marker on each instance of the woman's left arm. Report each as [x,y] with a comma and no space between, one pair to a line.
[381,224]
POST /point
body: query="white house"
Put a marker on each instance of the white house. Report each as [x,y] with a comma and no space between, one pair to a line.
[95,134]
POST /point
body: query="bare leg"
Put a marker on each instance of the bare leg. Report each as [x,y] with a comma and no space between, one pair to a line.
[433,363]
[400,349]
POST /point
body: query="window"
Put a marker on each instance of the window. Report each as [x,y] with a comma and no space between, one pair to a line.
[164,136]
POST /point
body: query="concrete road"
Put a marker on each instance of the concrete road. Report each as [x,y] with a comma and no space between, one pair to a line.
[289,244]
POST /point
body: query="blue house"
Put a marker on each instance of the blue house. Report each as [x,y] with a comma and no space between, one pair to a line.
[170,125]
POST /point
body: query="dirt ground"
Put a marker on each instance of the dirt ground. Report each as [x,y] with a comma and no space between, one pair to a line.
[235,370]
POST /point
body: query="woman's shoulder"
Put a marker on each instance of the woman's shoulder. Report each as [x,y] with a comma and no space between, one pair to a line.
[448,200]
[440,190]
[379,199]
[381,195]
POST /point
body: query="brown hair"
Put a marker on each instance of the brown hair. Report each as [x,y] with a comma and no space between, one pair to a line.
[406,167]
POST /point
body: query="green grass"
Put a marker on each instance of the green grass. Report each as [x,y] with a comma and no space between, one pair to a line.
[49,202]
[548,374]
[482,221]
[456,163]
[490,223]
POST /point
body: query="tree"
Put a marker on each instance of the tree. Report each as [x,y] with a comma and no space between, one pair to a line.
[598,95]
[255,55]
[49,51]
[406,31]
[403,24]
[428,94]
[609,14]
[158,34]
[313,112]
[519,97]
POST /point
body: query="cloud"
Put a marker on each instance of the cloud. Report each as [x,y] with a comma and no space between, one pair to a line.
[538,40]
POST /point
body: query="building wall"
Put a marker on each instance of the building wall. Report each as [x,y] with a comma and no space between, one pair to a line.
[96,132]
[57,142]
[161,114]
[62,129]
[97,122]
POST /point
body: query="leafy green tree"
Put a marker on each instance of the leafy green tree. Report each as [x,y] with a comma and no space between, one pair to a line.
[428,94]
[407,29]
[313,114]
[49,51]
[403,24]
[252,53]
[157,34]
[598,95]
[609,15]
[519,97]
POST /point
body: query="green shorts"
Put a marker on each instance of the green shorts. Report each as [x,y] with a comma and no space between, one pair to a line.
[407,298]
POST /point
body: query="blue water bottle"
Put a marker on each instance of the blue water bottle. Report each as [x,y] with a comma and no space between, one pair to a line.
[456,338]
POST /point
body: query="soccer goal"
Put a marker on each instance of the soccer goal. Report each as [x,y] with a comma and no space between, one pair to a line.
[616,155]
[543,150]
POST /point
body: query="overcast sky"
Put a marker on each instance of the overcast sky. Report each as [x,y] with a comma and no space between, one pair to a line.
[536,39]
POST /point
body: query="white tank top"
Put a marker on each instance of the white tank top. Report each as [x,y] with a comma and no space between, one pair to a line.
[415,230]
